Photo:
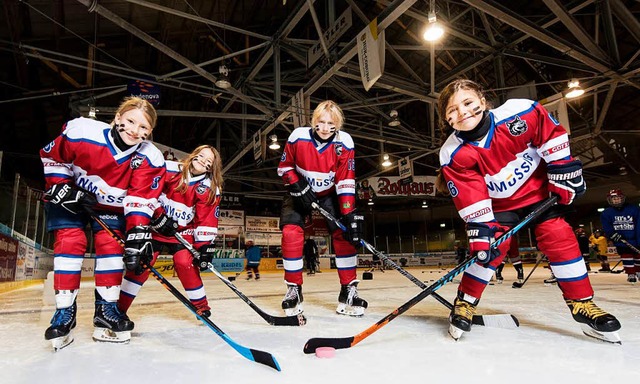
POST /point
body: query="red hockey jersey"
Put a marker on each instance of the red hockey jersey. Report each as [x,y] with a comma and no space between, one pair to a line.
[122,181]
[327,167]
[506,169]
[190,209]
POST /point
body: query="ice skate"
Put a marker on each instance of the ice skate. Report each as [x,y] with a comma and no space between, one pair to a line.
[551,280]
[632,278]
[292,302]
[499,278]
[110,324]
[63,321]
[594,321]
[348,301]
[520,272]
[461,316]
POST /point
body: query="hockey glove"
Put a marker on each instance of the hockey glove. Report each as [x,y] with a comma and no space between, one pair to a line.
[303,195]
[354,223]
[164,225]
[481,236]
[138,251]
[206,256]
[616,237]
[70,198]
[565,180]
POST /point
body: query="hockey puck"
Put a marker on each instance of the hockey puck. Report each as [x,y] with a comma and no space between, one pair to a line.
[325,352]
[232,278]
[367,276]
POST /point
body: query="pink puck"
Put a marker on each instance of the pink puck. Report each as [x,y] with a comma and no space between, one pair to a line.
[325,352]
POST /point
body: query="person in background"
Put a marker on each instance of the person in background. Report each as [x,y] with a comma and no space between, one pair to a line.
[621,222]
[318,166]
[190,206]
[110,171]
[310,255]
[253,255]
[583,244]
[599,245]
[498,165]
[514,255]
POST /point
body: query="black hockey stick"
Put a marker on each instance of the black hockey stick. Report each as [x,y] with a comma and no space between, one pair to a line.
[614,267]
[250,354]
[348,342]
[636,250]
[273,320]
[497,321]
[517,284]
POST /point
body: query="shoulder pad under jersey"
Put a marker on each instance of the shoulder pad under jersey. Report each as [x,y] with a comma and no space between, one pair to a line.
[152,153]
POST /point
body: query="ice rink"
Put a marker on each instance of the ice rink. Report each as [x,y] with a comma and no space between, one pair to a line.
[170,346]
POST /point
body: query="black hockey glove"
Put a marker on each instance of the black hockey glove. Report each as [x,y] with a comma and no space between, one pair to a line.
[164,225]
[138,251]
[565,180]
[616,237]
[303,195]
[354,223]
[70,198]
[481,236]
[206,252]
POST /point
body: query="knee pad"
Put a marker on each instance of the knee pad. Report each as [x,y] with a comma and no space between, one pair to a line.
[292,241]
[70,241]
[182,259]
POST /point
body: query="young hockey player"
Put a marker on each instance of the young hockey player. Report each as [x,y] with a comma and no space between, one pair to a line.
[620,222]
[114,172]
[318,165]
[514,255]
[498,165]
[253,253]
[189,200]
[583,245]
[599,244]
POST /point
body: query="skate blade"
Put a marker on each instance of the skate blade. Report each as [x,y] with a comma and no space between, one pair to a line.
[455,333]
[294,311]
[608,337]
[344,309]
[108,336]
[60,342]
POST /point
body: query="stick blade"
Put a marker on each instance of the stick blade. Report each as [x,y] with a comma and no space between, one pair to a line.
[265,358]
[336,343]
[504,321]
[516,285]
[295,321]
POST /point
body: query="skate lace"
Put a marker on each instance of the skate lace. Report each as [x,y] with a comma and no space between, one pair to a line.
[292,293]
[588,308]
[352,294]
[465,309]
[110,311]
[62,316]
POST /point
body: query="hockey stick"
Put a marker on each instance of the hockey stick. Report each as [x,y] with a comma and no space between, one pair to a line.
[636,250]
[273,320]
[498,321]
[348,342]
[520,285]
[614,267]
[250,354]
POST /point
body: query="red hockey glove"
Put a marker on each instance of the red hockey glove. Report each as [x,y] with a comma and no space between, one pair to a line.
[565,180]
[481,236]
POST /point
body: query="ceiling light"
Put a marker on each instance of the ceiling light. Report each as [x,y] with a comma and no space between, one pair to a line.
[442,225]
[92,112]
[574,89]
[370,202]
[385,161]
[424,204]
[274,142]
[223,78]
[600,209]
[394,122]
[434,30]
[623,171]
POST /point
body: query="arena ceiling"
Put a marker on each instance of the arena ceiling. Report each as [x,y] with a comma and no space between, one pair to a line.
[60,58]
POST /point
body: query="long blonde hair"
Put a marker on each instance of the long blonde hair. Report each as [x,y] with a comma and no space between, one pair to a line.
[331,107]
[133,102]
[214,173]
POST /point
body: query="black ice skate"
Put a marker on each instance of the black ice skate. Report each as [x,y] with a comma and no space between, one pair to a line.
[461,316]
[594,321]
[499,277]
[632,278]
[110,324]
[63,321]
[348,301]
[292,302]
[551,280]
[520,271]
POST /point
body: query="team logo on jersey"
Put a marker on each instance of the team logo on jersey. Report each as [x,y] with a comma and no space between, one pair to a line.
[553,118]
[453,190]
[136,162]
[155,183]
[338,148]
[284,156]
[517,126]
[201,188]
[49,147]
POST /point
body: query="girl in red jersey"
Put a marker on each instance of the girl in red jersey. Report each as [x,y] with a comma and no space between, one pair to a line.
[190,206]
[112,171]
[499,164]
[318,165]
